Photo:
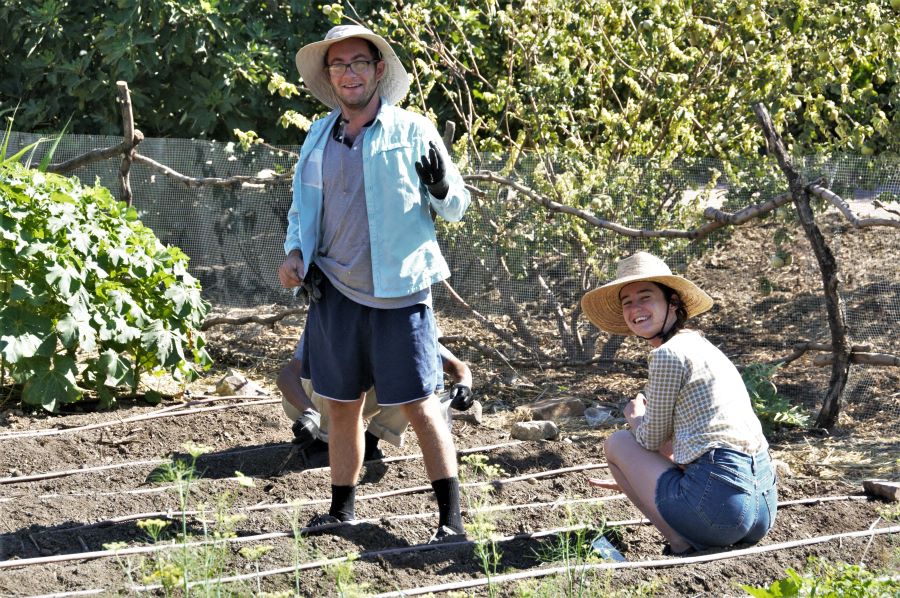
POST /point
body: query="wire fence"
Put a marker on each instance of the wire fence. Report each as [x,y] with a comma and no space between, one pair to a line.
[525,269]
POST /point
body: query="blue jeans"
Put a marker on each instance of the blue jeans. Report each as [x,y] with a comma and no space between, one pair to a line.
[722,498]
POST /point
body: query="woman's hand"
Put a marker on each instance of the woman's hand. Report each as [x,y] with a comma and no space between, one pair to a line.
[635,409]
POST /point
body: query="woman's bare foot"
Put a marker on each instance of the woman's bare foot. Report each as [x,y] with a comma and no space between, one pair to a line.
[608,484]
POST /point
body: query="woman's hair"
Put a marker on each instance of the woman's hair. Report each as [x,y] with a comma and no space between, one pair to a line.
[681,316]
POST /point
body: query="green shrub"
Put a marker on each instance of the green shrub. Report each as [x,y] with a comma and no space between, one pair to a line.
[820,578]
[772,408]
[89,297]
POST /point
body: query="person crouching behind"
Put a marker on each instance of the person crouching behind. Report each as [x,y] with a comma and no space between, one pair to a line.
[694,461]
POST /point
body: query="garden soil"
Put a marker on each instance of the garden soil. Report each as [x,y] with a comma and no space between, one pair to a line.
[101,482]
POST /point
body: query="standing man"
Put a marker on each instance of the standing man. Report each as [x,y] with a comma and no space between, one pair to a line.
[361,241]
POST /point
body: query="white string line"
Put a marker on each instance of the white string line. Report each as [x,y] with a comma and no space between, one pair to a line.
[68,472]
[86,556]
[656,563]
[651,564]
[132,419]
[175,515]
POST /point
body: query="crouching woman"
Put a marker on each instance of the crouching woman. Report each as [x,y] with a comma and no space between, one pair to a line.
[695,461]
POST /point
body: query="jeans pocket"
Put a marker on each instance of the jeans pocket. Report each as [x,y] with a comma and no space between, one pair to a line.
[725,504]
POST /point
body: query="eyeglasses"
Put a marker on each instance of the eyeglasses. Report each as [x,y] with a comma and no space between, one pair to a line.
[357,67]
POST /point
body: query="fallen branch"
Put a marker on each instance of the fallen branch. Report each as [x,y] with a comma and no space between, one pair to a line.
[801,348]
[553,206]
[265,320]
[844,207]
[882,359]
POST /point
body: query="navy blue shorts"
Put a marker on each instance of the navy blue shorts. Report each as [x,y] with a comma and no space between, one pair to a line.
[351,347]
[722,498]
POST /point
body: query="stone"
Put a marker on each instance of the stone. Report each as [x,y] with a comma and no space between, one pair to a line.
[882,489]
[555,408]
[535,430]
[238,384]
[474,414]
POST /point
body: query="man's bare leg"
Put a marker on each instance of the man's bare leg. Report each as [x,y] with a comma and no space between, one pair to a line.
[345,441]
[435,439]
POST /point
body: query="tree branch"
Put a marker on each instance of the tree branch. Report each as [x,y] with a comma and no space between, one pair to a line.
[231,182]
[827,265]
[844,208]
[210,322]
[864,358]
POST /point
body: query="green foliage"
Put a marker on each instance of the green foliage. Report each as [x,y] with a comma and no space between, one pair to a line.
[573,550]
[483,523]
[772,408]
[196,559]
[197,68]
[820,578]
[652,78]
[90,298]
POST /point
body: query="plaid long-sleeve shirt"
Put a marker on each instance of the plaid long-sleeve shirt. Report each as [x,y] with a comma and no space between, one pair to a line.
[696,397]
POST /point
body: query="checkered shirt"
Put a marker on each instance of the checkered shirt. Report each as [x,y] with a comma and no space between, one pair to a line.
[696,397]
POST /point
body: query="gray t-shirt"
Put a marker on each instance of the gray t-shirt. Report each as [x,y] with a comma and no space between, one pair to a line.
[345,254]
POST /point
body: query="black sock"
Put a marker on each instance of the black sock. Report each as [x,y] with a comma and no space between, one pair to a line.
[447,493]
[371,445]
[343,501]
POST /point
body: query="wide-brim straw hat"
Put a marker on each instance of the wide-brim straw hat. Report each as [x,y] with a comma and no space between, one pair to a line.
[603,307]
[310,60]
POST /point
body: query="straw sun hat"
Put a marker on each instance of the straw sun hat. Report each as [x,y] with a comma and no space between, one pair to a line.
[310,60]
[603,307]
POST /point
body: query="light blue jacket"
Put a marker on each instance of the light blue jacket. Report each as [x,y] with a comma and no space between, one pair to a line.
[405,253]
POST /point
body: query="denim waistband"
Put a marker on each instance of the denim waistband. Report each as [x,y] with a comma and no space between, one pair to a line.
[722,455]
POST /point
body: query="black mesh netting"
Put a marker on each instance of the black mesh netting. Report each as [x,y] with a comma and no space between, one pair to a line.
[522,268]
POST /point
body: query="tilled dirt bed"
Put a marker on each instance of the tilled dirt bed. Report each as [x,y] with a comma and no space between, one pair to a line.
[66,495]
[77,490]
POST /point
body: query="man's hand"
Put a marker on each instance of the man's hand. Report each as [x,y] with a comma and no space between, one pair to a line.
[461,397]
[432,172]
[290,273]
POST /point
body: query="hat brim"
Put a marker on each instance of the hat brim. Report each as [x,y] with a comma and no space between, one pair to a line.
[603,307]
[310,60]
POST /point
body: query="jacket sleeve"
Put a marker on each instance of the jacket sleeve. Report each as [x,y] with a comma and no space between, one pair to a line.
[458,199]
[292,238]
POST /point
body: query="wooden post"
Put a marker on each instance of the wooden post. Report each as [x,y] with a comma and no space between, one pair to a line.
[840,368]
[131,137]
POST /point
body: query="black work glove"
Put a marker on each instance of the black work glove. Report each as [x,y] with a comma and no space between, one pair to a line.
[461,397]
[433,173]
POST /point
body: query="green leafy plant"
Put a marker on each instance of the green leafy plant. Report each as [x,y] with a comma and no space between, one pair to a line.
[820,578]
[201,553]
[483,524]
[772,408]
[345,584]
[90,298]
[573,550]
